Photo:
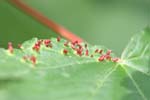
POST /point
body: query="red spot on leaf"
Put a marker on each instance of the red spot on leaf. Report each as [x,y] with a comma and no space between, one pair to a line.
[47,42]
[33,59]
[96,51]
[74,43]
[79,52]
[58,39]
[80,46]
[25,57]
[108,57]
[85,45]
[101,58]
[108,52]
[87,52]
[115,59]
[100,51]
[10,47]
[73,47]
[36,48]
[91,56]
[66,43]
[19,46]
[39,42]
[65,51]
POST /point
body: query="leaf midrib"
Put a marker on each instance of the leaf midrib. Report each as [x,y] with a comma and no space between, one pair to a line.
[135,84]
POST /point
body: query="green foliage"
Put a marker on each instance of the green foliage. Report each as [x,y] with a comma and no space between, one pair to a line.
[59,76]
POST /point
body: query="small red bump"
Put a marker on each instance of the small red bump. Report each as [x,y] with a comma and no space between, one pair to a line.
[74,43]
[96,51]
[58,39]
[36,48]
[39,42]
[19,46]
[10,47]
[25,57]
[33,59]
[50,45]
[108,52]
[115,59]
[73,47]
[87,52]
[79,52]
[100,51]
[80,47]
[101,58]
[37,45]
[47,42]
[91,56]
[85,45]
[65,51]
[108,57]
[66,43]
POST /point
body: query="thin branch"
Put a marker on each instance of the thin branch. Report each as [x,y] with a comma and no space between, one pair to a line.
[45,21]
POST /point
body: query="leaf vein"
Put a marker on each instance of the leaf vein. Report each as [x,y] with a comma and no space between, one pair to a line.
[135,84]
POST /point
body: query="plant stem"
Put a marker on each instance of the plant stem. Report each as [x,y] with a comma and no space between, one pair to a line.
[45,21]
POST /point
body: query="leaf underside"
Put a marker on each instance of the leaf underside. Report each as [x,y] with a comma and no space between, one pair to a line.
[56,75]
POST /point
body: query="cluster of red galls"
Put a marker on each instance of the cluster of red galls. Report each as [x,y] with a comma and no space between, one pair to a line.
[27,58]
[36,47]
[77,47]
[107,56]
[83,50]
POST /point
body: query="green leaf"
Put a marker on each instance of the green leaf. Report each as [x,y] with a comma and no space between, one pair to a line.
[59,76]
[10,65]
[136,63]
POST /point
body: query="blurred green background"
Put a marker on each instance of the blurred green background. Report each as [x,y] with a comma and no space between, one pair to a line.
[101,22]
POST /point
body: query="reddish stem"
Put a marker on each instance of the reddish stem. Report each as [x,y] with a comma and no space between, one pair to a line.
[47,22]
